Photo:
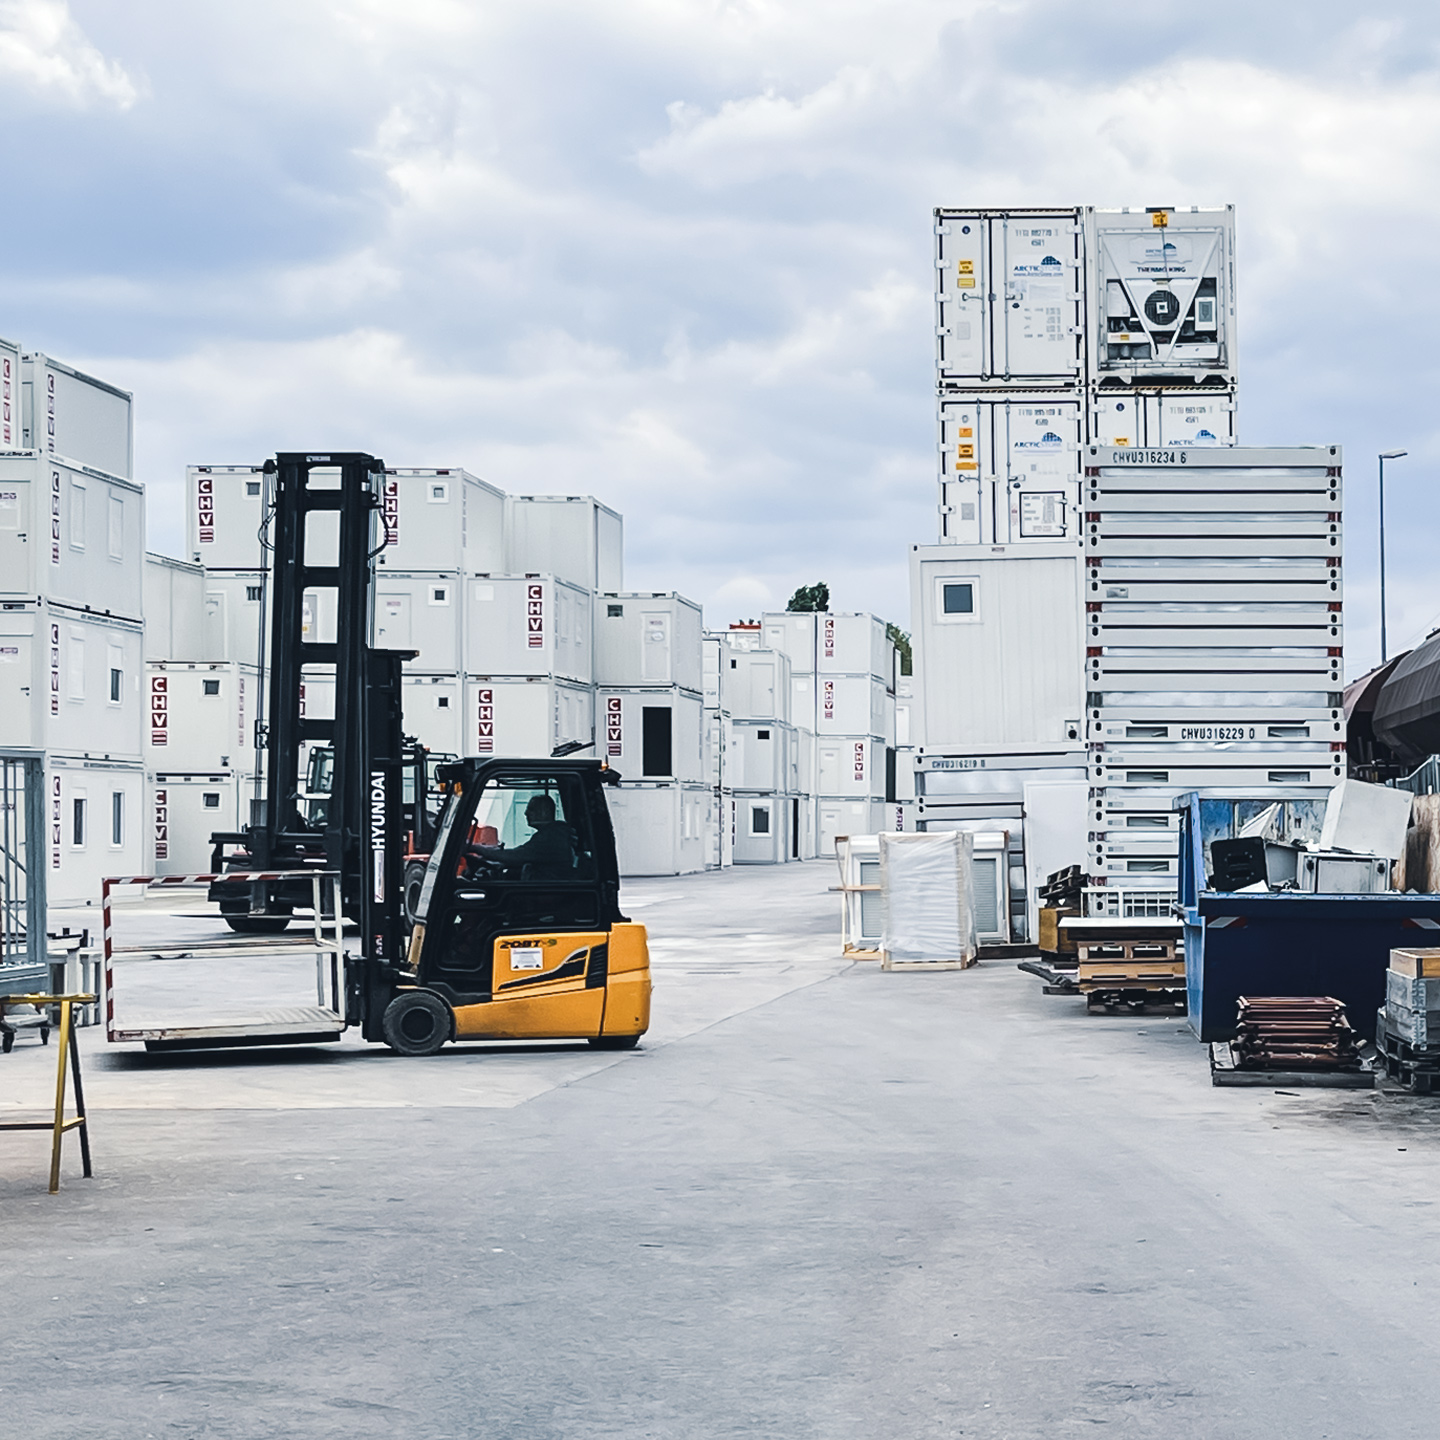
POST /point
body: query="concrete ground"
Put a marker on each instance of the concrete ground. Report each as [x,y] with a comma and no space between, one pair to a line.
[820,1201]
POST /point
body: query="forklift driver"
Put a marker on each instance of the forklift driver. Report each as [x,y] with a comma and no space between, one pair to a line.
[549,854]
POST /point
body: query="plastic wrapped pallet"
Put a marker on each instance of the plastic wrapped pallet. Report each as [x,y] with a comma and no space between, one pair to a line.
[929,911]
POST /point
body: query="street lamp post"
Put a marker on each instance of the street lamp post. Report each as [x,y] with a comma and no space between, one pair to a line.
[1386,455]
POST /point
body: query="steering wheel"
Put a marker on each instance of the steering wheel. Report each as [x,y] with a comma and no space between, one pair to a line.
[482,866]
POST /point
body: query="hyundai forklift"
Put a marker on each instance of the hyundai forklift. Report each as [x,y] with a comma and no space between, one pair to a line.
[517,931]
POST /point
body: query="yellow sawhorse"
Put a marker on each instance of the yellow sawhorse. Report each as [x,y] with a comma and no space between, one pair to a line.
[68,1049]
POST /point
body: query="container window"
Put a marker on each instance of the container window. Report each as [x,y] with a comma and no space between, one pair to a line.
[439,493]
[252,487]
[212,687]
[75,666]
[655,740]
[116,527]
[762,734]
[77,821]
[117,817]
[252,592]
[958,598]
[616,612]
[210,799]
[439,594]
[77,515]
[759,819]
[117,681]
[442,702]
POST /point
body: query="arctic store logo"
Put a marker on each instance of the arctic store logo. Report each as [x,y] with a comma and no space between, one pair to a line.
[1048,441]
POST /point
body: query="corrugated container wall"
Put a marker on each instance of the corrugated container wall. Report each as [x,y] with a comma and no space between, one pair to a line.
[648,639]
[72,535]
[573,537]
[65,412]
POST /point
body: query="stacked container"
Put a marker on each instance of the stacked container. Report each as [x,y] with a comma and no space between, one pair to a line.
[71,635]
[1213,584]
[651,723]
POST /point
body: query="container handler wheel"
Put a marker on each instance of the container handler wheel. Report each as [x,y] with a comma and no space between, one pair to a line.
[417,1022]
[257,924]
[614,1042]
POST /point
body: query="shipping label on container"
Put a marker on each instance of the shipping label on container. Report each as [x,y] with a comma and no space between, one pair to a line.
[391,510]
[159,709]
[54,822]
[485,722]
[614,725]
[54,669]
[7,400]
[829,701]
[535,616]
[162,825]
[829,637]
[205,509]
[50,411]
[1042,513]
[859,762]
[54,517]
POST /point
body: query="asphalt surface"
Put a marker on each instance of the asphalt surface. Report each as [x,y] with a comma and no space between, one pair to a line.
[821,1201]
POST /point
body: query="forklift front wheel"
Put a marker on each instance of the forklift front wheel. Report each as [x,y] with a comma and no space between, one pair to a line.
[417,1023]
[614,1042]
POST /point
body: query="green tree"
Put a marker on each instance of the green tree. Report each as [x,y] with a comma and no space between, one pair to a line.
[900,639]
[811,597]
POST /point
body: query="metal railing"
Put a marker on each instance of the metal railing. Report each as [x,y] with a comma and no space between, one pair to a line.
[22,859]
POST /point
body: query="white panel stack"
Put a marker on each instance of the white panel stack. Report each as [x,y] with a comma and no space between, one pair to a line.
[1214,638]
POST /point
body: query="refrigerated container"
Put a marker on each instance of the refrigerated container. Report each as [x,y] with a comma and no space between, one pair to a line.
[1010,468]
[1161,292]
[1197,415]
[71,534]
[573,537]
[1009,296]
[648,639]
[65,412]
[528,625]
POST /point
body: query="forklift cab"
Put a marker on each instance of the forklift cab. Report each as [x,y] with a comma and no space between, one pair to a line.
[518,932]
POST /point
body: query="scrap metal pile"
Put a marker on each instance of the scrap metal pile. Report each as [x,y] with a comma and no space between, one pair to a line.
[1294,1032]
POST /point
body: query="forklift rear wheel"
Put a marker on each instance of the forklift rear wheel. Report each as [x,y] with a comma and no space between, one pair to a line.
[417,1023]
[257,924]
[614,1042]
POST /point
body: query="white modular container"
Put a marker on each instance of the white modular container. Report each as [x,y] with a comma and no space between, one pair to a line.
[766,828]
[64,412]
[835,642]
[434,709]
[573,537]
[1202,415]
[720,754]
[528,625]
[174,609]
[236,607]
[201,715]
[1162,292]
[756,684]
[10,423]
[1010,468]
[849,705]
[720,841]
[648,639]
[803,772]
[1009,296]
[527,717]
[71,534]
[225,508]
[442,520]
[836,816]
[421,612]
[712,659]
[744,636]
[661,829]
[850,765]
[998,646]
[763,756]
[651,734]
[184,810]
[70,681]
[97,820]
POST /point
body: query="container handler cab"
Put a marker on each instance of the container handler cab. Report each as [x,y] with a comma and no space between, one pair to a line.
[517,932]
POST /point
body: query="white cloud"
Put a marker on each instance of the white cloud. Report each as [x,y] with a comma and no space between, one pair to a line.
[42,48]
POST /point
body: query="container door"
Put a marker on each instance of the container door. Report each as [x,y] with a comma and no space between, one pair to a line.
[962,453]
[963,281]
[392,621]
[1039,335]
[762,689]
[655,662]
[1042,458]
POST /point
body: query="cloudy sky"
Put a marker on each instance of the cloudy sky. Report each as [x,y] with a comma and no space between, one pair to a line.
[676,253]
